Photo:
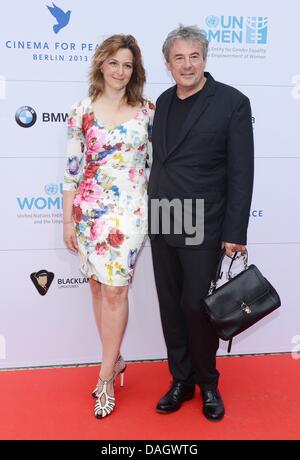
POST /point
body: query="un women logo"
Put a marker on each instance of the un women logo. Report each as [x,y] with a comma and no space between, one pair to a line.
[212,21]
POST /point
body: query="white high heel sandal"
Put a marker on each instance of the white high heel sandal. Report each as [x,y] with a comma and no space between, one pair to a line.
[105,403]
[119,368]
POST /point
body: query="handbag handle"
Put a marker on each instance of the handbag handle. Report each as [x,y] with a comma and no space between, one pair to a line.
[219,274]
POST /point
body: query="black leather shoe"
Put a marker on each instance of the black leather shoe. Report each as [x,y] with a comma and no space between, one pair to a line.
[178,393]
[213,406]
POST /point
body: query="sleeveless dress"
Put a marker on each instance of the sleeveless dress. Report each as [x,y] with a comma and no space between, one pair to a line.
[106,166]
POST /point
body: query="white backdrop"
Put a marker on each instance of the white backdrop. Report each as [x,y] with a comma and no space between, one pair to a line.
[47,72]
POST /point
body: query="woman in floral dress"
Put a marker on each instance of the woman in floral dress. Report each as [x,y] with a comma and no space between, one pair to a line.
[105,198]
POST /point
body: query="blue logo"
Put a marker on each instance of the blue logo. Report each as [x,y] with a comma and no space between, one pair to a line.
[25,116]
[61,17]
[212,21]
[49,202]
[256,30]
[51,189]
[236,29]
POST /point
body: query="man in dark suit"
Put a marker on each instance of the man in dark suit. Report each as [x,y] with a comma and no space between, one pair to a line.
[202,150]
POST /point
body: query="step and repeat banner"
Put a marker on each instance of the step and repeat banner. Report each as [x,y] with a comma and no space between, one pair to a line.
[46,48]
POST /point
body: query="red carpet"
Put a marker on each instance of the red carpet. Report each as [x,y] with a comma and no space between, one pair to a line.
[261,395]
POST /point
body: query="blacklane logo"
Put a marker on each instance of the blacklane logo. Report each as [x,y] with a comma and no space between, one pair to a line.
[25,116]
[42,280]
[61,17]
[71,282]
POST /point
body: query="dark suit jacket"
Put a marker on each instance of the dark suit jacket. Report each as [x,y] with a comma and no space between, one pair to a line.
[212,159]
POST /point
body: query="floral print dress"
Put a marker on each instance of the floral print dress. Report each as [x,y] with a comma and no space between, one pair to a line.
[106,168]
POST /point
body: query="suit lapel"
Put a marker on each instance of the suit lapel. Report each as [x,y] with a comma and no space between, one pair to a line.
[164,120]
[198,109]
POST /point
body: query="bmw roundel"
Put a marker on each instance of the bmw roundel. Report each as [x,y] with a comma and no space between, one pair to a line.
[25,116]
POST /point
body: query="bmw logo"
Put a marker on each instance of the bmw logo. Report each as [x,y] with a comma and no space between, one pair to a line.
[25,116]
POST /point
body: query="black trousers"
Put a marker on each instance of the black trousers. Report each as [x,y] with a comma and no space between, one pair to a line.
[182,277]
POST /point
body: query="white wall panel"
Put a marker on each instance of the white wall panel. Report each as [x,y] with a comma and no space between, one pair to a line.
[58,328]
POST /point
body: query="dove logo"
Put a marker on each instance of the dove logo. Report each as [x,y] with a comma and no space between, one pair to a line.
[61,17]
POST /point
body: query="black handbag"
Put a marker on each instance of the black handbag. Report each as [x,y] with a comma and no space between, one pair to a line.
[242,301]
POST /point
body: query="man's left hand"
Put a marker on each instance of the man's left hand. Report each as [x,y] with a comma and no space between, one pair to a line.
[230,248]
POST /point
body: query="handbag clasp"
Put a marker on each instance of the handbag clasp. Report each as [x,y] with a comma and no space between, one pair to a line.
[245,308]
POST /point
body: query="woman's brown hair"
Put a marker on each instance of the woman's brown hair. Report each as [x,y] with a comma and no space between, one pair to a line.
[134,88]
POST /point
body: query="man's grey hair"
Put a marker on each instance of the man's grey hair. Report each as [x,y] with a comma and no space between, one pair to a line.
[185,33]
